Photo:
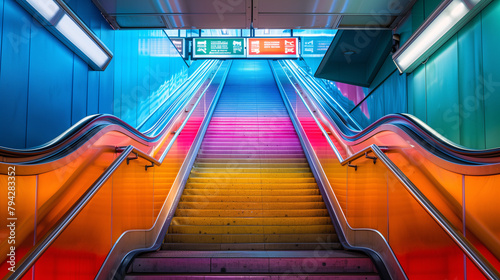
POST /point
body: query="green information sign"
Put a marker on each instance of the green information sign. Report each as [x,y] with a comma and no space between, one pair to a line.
[219,47]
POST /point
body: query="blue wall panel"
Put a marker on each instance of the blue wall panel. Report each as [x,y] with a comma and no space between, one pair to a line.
[93,93]
[394,97]
[107,77]
[44,87]
[117,81]
[129,67]
[16,36]
[144,75]
[147,70]
[80,87]
[94,77]
[46,93]
[1,24]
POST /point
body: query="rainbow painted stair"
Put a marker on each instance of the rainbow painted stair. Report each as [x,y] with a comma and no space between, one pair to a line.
[251,208]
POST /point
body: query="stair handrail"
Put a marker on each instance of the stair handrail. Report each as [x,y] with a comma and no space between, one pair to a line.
[86,124]
[161,226]
[323,94]
[414,122]
[474,255]
[193,82]
[37,251]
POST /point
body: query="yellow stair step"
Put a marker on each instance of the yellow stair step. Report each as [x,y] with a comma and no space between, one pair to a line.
[303,229]
[230,170]
[251,205]
[261,221]
[196,174]
[248,198]
[250,180]
[252,186]
[251,213]
[251,192]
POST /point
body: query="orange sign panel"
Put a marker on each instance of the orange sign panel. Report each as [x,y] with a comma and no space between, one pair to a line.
[273,47]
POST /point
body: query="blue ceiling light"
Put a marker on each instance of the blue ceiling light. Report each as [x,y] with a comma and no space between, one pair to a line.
[58,18]
[444,22]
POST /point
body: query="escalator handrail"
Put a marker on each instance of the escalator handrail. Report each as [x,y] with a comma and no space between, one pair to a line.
[80,129]
[468,156]
[37,251]
[343,114]
[476,257]
[483,162]
[193,81]
[164,212]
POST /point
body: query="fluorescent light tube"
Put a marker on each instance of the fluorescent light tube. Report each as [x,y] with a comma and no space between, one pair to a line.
[72,31]
[56,16]
[47,9]
[436,30]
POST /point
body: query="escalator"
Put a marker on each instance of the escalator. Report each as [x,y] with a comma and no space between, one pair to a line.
[251,192]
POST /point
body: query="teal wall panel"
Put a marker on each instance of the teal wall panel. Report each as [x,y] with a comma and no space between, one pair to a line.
[405,29]
[457,91]
[411,94]
[470,86]
[442,91]
[419,95]
[422,10]
[417,14]
[430,6]
[491,64]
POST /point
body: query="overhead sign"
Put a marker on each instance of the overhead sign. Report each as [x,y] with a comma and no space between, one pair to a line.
[273,48]
[179,44]
[219,48]
[315,46]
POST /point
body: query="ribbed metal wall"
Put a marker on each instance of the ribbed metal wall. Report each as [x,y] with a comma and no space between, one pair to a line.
[148,70]
[45,88]
[457,91]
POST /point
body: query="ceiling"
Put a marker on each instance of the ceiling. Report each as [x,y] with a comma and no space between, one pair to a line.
[262,14]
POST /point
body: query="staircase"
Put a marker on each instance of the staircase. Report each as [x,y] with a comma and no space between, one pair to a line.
[251,208]
[250,189]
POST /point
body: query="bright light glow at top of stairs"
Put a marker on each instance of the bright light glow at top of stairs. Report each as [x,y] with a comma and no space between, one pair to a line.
[442,24]
[70,30]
